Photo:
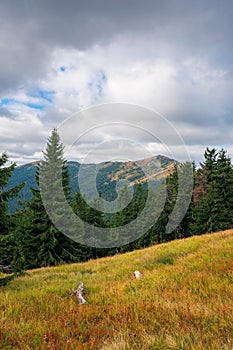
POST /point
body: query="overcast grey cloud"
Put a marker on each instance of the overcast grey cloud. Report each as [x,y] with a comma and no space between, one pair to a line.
[58,57]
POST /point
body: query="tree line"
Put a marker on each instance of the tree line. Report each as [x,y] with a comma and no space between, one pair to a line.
[29,239]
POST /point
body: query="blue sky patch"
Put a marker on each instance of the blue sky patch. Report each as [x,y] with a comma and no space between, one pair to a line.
[11,101]
[34,106]
[7,101]
[46,97]
[102,79]
[98,83]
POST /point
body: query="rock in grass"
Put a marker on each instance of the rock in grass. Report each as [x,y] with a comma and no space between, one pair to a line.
[138,274]
[79,294]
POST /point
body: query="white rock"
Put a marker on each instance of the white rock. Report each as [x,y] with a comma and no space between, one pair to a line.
[138,274]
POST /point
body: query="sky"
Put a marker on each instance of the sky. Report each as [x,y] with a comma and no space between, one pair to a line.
[60,58]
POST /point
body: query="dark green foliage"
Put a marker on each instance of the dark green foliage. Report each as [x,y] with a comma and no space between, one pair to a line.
[6,194]
[30,239]
[43,244]
[180,186]
[7,242]
[214,194]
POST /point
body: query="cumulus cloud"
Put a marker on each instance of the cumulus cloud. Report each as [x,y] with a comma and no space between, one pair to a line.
[58,58]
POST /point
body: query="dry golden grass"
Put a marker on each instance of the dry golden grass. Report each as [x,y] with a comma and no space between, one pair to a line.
[184,301]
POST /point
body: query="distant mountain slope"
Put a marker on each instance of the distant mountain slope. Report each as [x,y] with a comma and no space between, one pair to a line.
[107,174]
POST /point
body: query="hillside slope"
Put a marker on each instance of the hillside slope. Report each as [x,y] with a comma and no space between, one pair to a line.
[184,301]
[107,174]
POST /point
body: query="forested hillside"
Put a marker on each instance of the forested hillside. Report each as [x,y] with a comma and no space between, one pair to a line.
[107,175]
[29,239]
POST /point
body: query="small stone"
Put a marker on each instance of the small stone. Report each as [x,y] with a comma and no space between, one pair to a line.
[138,274]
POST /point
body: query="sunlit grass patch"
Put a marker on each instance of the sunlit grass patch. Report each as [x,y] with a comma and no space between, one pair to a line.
[184,301]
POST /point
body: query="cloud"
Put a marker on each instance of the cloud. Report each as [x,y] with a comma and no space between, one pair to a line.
[31,31]
[58,58]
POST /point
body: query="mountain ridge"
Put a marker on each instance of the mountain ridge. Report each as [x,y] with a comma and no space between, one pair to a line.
[106,174]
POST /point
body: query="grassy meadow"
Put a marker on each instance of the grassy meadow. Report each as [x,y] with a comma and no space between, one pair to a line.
[184,301]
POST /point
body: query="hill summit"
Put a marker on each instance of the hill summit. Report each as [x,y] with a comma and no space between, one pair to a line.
[106,174]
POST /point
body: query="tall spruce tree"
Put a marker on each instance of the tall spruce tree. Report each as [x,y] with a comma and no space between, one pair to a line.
[204,213]
[7,242]
[224,184]
[45,245]
[214,194]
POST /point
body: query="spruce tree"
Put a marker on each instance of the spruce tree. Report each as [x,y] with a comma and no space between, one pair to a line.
[214,194]
[224,184]
[210,164]
[7,242]
[204,213]
[45,244]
